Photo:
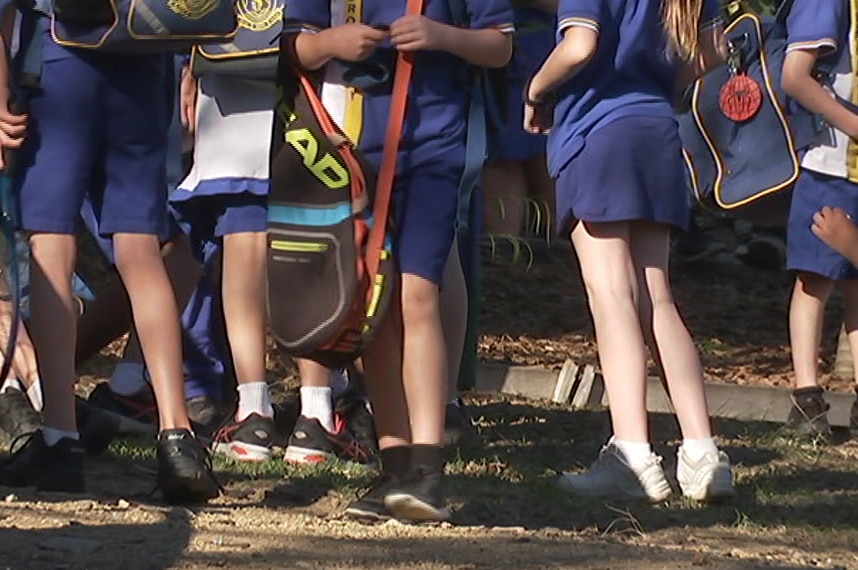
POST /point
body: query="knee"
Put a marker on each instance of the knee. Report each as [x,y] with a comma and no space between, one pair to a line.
[419,300]
[133,251]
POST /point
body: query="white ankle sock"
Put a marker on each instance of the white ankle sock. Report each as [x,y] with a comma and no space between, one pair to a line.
[53,436]
[316,404]
[635,453]
[254,398]
[339,383]
[11,383]
[34,393]
[128,378]
[697,448]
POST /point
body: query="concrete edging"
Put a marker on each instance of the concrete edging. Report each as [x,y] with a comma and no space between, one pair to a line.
[583,388]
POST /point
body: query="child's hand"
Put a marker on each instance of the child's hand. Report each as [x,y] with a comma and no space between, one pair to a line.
[188,100]
[837,229]
[13,128]
[538,118]
[417,33]
[355,42]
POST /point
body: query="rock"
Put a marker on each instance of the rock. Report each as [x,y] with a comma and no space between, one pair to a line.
[123,504]
[11,498]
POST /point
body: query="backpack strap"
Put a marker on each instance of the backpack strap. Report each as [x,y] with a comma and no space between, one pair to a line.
[387,171]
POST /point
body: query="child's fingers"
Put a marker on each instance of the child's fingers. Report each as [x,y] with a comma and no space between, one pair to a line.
[12,119]
[14,131]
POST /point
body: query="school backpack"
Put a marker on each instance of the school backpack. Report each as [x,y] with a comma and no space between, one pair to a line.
[741,136]
[331,272]
[142,26]
[254,52]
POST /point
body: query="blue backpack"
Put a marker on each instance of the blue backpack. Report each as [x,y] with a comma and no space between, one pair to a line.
[254,52]
[741,136]
[142,26]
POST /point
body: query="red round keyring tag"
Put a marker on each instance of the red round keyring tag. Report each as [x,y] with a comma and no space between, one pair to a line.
[741,98]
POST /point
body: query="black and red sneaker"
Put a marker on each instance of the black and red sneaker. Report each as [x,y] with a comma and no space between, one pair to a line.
[137,413]
[247,440]
[311,443]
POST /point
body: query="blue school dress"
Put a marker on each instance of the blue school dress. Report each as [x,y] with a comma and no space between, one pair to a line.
[822,25]
[614,148]
[432,152]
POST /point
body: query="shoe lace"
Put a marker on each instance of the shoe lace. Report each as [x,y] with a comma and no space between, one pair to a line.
[348,444]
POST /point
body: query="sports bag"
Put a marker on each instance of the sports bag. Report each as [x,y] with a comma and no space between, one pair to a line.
[741,137]
[254,52]
[331,273]
[142,26]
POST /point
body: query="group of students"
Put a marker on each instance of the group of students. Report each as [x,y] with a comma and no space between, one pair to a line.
[96,137]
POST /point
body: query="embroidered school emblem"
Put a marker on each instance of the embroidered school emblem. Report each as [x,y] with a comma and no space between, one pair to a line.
[193,9]
[258,15]
[741,98]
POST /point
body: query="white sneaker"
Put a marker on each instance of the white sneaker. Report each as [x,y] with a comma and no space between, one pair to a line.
[707,479]
[612,477]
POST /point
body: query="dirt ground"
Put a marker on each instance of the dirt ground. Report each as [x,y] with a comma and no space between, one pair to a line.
[797,505]
[535,313]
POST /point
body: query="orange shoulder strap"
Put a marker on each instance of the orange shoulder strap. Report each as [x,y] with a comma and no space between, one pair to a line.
[387,171]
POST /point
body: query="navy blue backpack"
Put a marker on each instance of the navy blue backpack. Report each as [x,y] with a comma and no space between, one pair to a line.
[742,139]
[141,26]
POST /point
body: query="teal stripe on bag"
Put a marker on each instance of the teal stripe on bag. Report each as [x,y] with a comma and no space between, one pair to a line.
[304,216]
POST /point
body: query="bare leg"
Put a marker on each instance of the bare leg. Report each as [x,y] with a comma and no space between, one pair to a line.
[612,291]
[540,187]
[505,192]
[850,319]
[244,294]
[424,360]
[382,362]
[52,324]
[809,297]
[671,342]
[156,318]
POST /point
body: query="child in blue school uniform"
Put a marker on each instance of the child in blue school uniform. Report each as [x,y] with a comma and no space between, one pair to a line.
[222,204]
[614,149]
[515,177]
[819,36]
[97,127]
[408,402]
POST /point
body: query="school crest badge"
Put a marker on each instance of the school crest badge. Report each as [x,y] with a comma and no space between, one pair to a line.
[193,9]
[259,15]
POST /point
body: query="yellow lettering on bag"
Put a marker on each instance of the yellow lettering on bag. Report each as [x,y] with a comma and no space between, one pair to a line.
[329,172]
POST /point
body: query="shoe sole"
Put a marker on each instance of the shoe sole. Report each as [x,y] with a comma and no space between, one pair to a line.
[715,490]
[407,507]
[616,494]
[189,491]
[306,456]
[244,452]
[360,514]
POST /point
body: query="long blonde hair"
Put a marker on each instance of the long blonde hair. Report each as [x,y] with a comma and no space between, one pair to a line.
[682,25]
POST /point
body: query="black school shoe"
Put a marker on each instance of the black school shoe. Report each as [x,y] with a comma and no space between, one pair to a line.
[17,416]
[808,418]
[184,468]
[370,506]
[57,468]
[417,496]
[97,428]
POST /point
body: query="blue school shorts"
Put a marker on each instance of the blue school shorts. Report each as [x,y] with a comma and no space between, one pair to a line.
[425,203]
[207,218]
[97,127]
[805,251]
[630,169]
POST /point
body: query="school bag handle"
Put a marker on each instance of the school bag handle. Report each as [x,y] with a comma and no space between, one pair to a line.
[387,171]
